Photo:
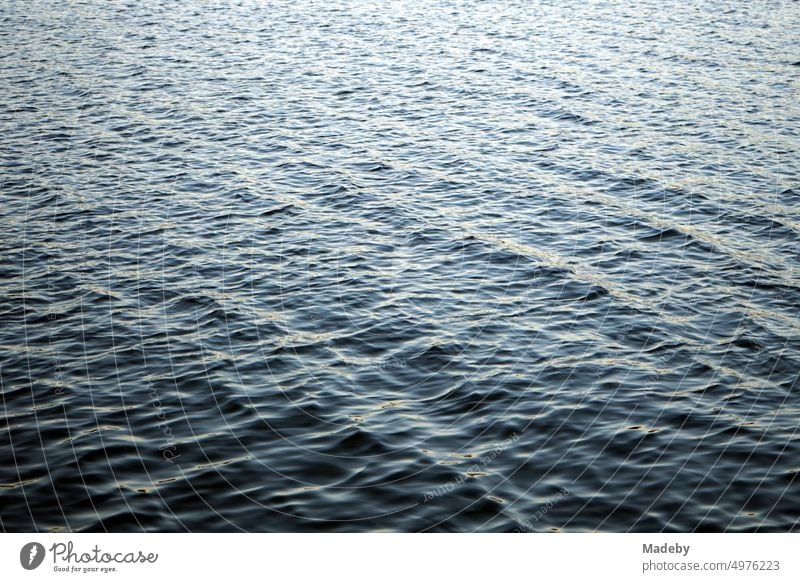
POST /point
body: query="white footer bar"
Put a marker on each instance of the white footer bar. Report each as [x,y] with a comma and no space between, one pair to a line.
[380,557]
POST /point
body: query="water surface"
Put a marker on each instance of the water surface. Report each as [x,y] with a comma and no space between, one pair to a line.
[406,266]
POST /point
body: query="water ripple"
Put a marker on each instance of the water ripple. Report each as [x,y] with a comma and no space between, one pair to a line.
[453,266]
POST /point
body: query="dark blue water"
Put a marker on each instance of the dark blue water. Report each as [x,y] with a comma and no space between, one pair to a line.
[409,266]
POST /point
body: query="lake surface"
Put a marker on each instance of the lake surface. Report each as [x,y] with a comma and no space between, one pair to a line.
[400,266]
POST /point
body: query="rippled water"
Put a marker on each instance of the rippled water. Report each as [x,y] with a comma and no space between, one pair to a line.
[416,266]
